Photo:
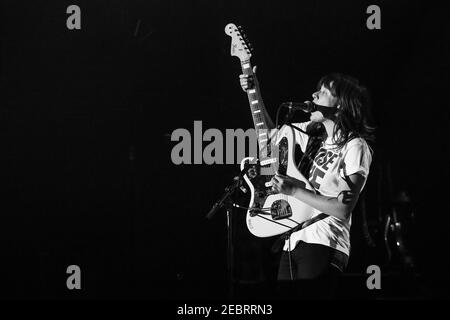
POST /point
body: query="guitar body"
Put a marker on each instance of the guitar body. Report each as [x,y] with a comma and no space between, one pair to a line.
[271,213]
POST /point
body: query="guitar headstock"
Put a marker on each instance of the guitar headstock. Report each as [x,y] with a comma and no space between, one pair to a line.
[240,46]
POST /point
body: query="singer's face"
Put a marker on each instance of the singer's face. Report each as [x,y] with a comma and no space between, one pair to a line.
[323,97]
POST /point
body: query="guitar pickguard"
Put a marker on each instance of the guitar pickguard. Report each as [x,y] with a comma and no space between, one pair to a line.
[279,209]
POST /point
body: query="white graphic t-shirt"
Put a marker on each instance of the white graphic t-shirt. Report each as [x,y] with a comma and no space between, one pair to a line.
[327,176]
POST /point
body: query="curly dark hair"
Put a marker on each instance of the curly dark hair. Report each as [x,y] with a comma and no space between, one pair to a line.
[355,103]
[351,118]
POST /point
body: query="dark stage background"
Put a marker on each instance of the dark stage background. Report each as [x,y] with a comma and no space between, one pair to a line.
[86,118]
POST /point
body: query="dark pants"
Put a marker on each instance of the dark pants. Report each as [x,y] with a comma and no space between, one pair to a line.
[309,273]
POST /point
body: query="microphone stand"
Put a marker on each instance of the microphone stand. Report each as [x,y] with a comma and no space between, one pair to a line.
[226,201]
[288,116]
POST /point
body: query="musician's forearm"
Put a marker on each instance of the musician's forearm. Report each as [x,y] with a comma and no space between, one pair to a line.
[328,205]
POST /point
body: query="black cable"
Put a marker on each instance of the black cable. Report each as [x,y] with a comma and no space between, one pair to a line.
[298,129]
[278,113]
[290,259]
[289,124]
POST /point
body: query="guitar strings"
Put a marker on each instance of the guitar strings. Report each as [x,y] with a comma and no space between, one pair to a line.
[268,143]
[274,221]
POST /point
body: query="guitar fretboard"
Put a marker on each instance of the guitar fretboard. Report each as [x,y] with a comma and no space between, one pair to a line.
[256,107]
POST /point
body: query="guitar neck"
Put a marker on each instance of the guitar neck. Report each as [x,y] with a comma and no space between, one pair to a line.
[255,101]
[241,48]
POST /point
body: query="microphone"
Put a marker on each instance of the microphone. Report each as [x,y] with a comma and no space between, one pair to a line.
[306,106]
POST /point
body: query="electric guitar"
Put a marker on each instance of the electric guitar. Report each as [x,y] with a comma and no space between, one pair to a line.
[269,213]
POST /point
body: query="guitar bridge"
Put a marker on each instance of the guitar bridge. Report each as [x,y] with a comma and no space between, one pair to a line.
[280,209]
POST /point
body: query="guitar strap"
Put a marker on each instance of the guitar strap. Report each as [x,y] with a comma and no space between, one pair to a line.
[315,132]
[278,245]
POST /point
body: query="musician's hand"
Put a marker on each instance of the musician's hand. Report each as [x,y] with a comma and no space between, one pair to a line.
[286,185]
[246,81]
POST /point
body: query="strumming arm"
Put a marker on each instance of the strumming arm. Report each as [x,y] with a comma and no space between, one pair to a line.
[339,207]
